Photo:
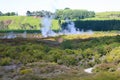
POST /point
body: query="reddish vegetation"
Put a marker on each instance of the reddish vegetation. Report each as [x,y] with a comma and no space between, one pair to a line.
[7,22]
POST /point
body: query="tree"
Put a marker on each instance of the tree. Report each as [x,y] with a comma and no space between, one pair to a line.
[7,14]
[73,14]
[66,8]
[12,14]
[1,13]
[28,13]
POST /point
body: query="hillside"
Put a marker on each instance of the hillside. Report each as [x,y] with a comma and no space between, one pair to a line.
[23,23]
[111,14]
[34,23]
[106,16]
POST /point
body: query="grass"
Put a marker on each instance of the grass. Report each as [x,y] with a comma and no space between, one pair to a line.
[105,16]
[95,34]
[34,21]
[18,20]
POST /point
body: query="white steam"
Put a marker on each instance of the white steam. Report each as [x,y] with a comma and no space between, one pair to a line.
[46,30]
[70,28]
[46,27]
[12,35]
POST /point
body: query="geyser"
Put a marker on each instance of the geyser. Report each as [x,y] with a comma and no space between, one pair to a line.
[46,27]
[67,29]
[70,28]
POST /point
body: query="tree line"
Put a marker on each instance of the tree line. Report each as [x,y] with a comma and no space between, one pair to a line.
[38,13]
[8,14]
[73,13]
[64,13]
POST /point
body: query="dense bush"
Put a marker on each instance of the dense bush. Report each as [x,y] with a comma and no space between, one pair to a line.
[114,55]
[84,52]
[109,67]
[98,25]
[5,61]
[95,25]
[25,71]
[74,14]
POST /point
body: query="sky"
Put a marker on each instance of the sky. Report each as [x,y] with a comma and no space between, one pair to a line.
[22,6]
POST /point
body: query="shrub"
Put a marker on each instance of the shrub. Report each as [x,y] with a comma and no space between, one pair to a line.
[69,51]
[31,77]
[69,60]
[88,53]
[105,67]
[114,55]
[5,61]
[25,71]
[67,45]
[54,55]
[104,76]
[25,57]
[38,54]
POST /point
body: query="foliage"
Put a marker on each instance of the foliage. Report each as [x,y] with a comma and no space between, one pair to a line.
[31,77]
[85,52]
[98,25]
[8,14]
[24,23]
[108,14]
[33,23]
[73,14]
[5,61]
[25,71]
[104,76]
[114,55]
[66,44]
[110,67]
[39,13]
[76,51]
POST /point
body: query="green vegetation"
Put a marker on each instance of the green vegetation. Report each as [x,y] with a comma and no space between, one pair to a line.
[98,25]
[5,61]
[104,76]
[8,14]
[101,21]
[73,14]
[17,22]
[114,55]
[25,71]
[23,23]
[108,14]
[68,53]
[47,59]
[105,16]
[99,50]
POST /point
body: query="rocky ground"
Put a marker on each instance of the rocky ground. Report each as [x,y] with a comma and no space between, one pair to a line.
[41,69]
